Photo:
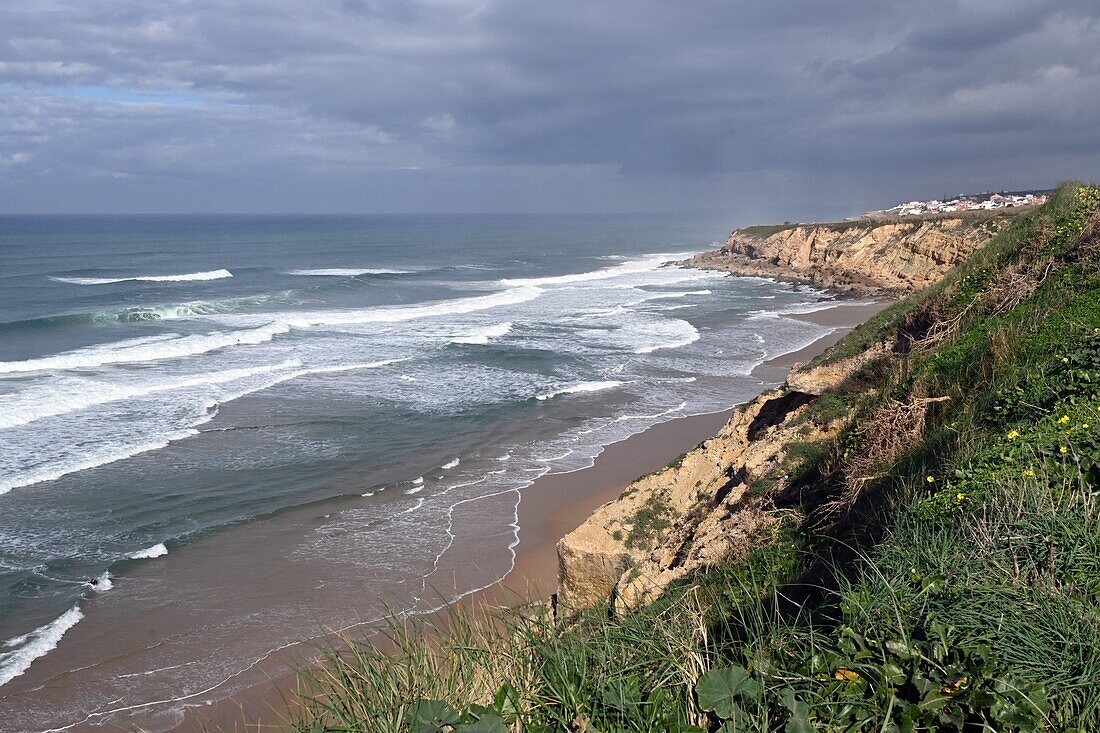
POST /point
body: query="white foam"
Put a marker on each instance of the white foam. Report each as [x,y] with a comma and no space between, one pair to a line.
[91,460]
[94,456]
[31,646]
[602,313]
[399,314]
[451,464]
[551,459]
[671,410]
[484,335]
[103,583]
[663,296]
[581,387]
[418,481]
[351,367]
[188,277]
[416,490]
[157,550]
[627,268]
[348,272]
[79,394]
[804,308]
[687,334]
[130,351]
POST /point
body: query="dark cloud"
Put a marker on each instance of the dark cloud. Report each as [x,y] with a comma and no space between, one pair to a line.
[759,109]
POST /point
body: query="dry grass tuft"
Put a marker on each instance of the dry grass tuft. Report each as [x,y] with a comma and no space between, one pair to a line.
[893,430]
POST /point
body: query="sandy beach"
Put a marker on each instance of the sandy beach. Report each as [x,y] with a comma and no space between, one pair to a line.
[555,504]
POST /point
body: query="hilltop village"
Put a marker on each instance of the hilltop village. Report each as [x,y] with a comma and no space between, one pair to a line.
[964,202]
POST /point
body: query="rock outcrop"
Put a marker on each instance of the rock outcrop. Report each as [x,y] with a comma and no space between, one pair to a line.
[701,509]
[860,256]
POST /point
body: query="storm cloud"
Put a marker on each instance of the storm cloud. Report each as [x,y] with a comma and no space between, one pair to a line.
[752,110]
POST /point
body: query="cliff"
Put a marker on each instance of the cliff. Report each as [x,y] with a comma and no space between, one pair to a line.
[704,508]
[860,256]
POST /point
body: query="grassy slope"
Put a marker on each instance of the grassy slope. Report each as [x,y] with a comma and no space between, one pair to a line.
[940,571]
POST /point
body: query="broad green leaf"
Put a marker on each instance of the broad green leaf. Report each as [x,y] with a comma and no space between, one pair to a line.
[486,724]
[432,715]
[799,722]
[719,688]
[505,702]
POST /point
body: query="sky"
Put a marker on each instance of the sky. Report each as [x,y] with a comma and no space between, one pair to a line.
[753,111]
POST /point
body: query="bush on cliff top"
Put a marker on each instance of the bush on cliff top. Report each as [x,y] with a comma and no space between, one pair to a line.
[958,590]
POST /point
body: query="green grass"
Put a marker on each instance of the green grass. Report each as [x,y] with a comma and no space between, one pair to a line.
[992,220]
[958,591]
[647,524]
[763,231]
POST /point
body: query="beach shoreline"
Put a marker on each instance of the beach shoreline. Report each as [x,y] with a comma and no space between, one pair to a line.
[555,504]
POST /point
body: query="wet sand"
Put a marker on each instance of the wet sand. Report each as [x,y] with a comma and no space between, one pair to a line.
[553,506]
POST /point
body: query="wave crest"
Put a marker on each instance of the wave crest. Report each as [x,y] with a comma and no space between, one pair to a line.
[143,350]
[157,550]
[186,277]
[484,335]
[32,645]
[581,387]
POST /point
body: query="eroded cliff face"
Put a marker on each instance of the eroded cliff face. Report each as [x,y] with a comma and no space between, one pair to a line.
[864,256]
[702,509]
[717,502]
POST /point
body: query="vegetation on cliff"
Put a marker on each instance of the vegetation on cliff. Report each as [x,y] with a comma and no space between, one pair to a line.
[933,564]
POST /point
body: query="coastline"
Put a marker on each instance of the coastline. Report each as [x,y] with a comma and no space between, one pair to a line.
[555,504]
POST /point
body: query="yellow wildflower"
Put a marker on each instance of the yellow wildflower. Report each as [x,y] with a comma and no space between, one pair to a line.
[1063,450]
[1013,434]
[960,496]
[931,479]
[1063,419]
[1029,472]
[1065,360]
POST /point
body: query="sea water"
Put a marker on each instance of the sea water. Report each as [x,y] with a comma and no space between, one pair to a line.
[245,429]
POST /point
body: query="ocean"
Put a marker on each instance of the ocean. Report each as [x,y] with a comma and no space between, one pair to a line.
[250,429]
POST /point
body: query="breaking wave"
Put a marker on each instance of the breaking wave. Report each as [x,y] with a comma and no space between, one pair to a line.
[79,394]
[145,349]
[157,550]
[484,335]
[581,387]
[188,277]
[627,268]
[31,646]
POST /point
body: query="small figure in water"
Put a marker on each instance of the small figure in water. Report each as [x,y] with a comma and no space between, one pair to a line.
[93,582]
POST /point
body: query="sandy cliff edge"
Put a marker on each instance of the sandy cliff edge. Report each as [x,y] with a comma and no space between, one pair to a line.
[861,257]
[700,510]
